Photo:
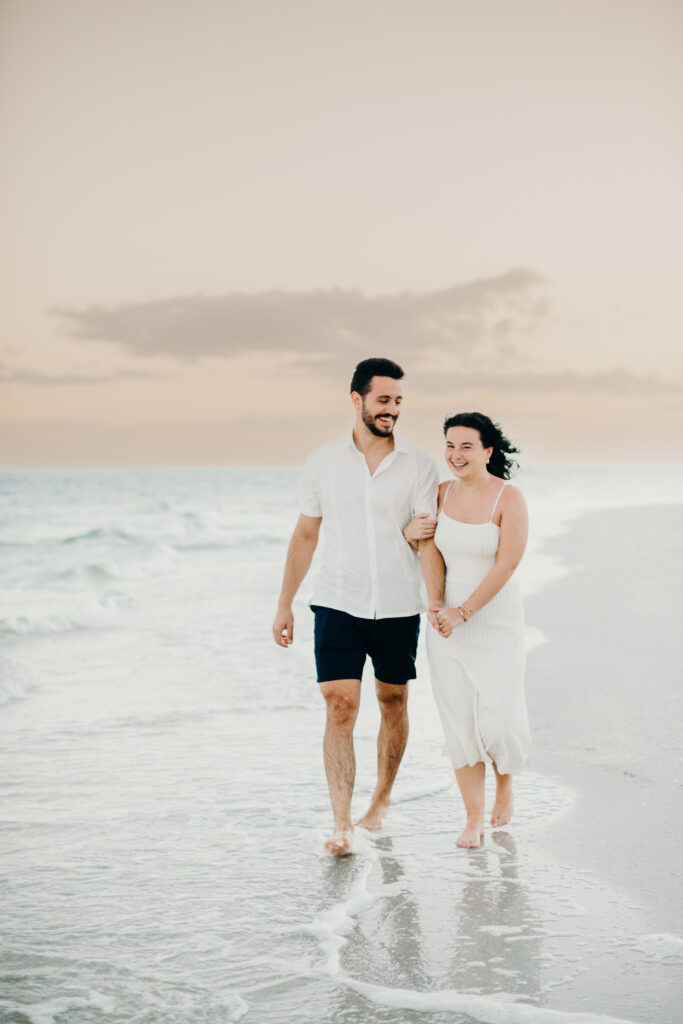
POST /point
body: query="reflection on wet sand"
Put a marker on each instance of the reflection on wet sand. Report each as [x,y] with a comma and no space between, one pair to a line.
[495,924]
[440,920]
[414,928]
[386,946]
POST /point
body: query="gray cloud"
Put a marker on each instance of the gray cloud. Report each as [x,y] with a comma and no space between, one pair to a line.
[316,325]
[21,376]
[323,332]
[608,382]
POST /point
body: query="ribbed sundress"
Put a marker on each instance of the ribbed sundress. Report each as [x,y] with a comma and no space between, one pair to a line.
[477,673]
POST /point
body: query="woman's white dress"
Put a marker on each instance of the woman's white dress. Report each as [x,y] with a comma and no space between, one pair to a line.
[478,672]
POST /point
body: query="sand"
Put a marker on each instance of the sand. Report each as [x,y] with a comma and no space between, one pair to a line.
[606,699]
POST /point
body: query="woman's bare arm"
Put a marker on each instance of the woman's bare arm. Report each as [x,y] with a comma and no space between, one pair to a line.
[514,530]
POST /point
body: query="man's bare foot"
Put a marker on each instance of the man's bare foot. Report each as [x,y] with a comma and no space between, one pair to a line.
[471,835]
[504,803]
[341,843]
[373,820]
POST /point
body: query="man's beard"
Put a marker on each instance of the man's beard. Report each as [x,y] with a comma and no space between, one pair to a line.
[378,431]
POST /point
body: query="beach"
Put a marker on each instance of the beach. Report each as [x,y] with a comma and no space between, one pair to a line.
[607,700]
[165,806]
[606,705]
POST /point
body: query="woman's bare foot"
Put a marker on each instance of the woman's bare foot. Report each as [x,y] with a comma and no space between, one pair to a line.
[373,820]
[504,803]
[471,835]
[341,843]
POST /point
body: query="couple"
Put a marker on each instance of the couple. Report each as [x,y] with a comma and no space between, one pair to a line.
[378,496]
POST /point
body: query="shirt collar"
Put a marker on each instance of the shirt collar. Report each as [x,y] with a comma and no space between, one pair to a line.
[399,444]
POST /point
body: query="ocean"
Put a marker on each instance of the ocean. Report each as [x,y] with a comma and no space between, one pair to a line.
[162,790]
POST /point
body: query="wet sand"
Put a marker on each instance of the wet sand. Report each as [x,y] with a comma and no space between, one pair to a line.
[605,699]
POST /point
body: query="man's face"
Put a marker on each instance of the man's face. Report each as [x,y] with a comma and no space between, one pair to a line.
[381,407]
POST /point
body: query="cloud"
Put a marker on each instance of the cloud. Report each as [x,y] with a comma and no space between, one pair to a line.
[315,326]
[608,382]
[22,376]
[322,332]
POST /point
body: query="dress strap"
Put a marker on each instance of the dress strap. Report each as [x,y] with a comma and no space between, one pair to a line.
[496,503]
[445,498]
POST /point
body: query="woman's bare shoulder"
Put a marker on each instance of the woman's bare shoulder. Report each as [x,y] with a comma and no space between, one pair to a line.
[512,498]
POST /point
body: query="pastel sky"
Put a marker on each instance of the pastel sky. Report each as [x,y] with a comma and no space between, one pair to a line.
[210,211]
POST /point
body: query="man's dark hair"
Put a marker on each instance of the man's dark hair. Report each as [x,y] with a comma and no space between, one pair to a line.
[370,368]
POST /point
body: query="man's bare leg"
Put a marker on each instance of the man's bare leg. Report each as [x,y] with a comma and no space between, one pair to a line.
[391,743]
[342,697]
[504,803]
[471,783]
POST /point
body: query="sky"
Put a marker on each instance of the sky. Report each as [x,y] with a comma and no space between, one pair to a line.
[210,212]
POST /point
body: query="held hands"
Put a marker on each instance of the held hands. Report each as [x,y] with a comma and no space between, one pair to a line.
[432,614]
[422,527]
[283,626]
[444,620]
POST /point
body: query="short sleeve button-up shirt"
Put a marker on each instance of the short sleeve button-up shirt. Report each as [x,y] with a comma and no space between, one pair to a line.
[368,568]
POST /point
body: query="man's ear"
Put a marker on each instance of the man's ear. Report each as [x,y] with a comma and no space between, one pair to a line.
[357,401]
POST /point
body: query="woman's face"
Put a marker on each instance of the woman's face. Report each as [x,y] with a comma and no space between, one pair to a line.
[465,454]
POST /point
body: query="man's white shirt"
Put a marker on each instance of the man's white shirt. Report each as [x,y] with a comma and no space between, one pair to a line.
[368,568]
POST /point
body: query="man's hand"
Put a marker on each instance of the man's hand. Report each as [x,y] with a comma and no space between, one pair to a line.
[433,614]
[283,626]
[422,527]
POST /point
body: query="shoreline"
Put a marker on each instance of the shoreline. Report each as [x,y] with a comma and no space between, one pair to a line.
[149,762]
[604,700]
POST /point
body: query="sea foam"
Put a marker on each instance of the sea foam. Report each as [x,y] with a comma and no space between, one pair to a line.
[16,680]
[485,1009]
[104,614]
[48,1011]
[664,947]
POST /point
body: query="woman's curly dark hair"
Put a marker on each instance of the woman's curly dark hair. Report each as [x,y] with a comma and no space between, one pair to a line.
[491,437]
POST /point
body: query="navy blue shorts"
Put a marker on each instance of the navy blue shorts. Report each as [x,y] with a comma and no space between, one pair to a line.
[343,641]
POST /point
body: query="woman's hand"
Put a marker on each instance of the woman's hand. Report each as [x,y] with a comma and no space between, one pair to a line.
[422,527]
[448,619]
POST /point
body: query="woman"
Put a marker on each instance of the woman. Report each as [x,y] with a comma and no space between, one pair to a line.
[476,649]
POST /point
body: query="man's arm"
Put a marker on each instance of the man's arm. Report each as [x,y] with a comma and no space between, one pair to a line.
[299,557]
[425,501]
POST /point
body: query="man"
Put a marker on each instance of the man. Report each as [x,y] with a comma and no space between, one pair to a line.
[365,487]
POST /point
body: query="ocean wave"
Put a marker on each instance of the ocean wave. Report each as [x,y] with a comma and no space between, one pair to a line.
[48,1011]
[237,1007]
[484,1008]
[102,533]
[331,926]
[92,571]
[105,614]
[16,680]
[172,542]
[664,947]
[244,541]
[39,538]
[101,573]
[404,794]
